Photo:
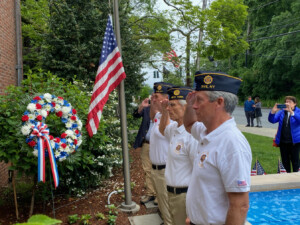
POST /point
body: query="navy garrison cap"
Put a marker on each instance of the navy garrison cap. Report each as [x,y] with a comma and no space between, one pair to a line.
[216,81]
[161,87]
[178,93]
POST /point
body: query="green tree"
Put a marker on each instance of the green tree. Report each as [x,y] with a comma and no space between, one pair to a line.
[35,16]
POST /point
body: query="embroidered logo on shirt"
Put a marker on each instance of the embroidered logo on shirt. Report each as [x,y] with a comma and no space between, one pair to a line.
[178,148]
[203,158]
[241,183]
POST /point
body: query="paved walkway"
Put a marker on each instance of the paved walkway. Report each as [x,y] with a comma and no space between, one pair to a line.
[268,132]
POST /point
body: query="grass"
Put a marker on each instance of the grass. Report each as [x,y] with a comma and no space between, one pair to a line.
[263,150]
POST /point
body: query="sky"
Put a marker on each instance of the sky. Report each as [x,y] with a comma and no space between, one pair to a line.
[150,80]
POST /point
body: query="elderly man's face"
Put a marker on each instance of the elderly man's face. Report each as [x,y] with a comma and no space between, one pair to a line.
[176,110]
[205,110]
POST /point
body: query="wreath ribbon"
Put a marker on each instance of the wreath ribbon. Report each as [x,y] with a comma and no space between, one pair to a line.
[42,133]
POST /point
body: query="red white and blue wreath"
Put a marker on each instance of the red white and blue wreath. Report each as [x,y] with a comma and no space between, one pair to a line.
[38,136]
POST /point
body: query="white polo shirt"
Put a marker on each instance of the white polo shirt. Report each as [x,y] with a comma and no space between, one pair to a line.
[158,144]
[222,165]
[180,157]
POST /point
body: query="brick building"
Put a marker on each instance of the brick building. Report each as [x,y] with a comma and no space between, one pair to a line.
[10,56]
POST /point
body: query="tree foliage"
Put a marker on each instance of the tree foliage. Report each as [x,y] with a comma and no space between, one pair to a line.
[273,59]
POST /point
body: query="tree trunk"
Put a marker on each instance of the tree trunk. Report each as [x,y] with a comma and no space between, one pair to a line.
[187,64]
[32,197]
[204,3]
[15,195]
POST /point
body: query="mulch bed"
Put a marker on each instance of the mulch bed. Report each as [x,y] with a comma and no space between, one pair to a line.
[92,203]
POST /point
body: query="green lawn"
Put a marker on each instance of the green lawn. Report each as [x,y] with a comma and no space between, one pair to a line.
[263,150]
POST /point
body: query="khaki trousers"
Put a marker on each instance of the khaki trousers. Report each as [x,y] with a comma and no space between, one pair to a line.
[147,167]
[177,208]
[159,181]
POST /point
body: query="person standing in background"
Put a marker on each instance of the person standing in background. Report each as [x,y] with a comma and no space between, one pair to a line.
[288,133]
[249,111]
[258,113]
[143,140]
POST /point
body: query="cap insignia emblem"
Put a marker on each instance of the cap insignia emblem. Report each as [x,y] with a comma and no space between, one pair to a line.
[208,79]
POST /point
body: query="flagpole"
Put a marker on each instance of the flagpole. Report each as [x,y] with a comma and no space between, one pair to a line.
[128,205]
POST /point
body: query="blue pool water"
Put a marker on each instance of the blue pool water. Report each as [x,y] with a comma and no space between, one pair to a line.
[275,207]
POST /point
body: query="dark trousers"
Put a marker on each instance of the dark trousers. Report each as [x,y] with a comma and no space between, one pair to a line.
[290,153]
[250,117]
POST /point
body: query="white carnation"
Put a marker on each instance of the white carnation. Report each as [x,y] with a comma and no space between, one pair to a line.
[66,110]
[26,130]
[57,108]
[68,125]
[47,107]
[31,117]
[79,123]
[31,107]
[35,152]
[48,97]
[62,158]
[57,153]
[69,140]
[69,133]
[41,102]
[79,143]
[44,113]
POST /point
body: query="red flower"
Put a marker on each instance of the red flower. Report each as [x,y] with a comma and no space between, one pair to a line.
[74,111]
[39,118]
[73,117]
[75,141]
[53,104]
[63,145]
[61,98]
[63,135]
[76,131]
[37,98]
[57,140]
[59,114]
[25,118]
[48,113]
[155,120]
[38,106]
[51,137]
[31,143]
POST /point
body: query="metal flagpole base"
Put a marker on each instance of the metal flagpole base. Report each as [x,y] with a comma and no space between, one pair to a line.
[129,208]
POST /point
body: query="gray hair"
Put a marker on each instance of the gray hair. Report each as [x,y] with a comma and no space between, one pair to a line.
[230,100]
[182,102]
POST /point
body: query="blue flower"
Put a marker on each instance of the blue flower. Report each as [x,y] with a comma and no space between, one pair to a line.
[26,113]
[74,125]
[34,101]
[63,140]
[64,120]
[56,146]
[66,103]
[28,140]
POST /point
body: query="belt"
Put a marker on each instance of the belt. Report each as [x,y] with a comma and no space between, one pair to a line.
[178,190]
[147,142]
[158,167]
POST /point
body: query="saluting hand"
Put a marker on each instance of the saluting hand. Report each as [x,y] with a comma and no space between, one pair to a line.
[190,99]
[165,104]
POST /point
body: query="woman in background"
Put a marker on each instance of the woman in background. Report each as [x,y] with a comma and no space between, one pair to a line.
[258,114]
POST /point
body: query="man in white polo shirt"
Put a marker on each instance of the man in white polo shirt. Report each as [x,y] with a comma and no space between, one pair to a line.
[219,188]
[158,150]
[180,159]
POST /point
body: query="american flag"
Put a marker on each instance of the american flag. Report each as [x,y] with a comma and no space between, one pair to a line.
[109,75]
[171,56]
[280,168]
[257,169]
